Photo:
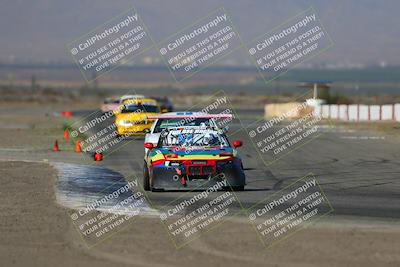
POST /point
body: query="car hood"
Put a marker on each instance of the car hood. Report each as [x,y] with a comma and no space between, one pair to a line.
[134,116]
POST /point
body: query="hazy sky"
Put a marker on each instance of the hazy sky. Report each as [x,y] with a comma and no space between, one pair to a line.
[364,31]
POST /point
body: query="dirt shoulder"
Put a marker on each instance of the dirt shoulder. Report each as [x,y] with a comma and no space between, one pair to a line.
[34,230]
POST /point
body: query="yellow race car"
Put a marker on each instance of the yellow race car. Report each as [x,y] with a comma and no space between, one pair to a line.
[132,118]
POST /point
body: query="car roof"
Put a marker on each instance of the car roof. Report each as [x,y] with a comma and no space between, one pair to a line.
[125,97]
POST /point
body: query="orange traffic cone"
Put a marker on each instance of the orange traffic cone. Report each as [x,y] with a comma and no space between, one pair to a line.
[98,156]
[78,148]
[66,135]
[55,147]
[66,114]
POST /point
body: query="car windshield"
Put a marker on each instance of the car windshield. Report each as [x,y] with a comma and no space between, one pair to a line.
[140,108]
[163,124]
[193,138]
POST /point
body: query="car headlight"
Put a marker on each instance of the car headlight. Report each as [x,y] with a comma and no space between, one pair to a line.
[125,123]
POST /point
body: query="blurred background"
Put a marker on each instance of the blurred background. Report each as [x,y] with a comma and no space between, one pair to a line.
[363,64]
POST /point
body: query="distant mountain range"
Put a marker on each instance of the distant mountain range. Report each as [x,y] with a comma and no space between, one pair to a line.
[364,31]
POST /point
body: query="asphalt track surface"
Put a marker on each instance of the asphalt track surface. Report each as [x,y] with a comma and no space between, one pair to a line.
[359,172]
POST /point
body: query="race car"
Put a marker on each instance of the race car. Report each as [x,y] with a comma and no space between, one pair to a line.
[182,118]
[132,119]
[165,104]
[192,157]
[124,98]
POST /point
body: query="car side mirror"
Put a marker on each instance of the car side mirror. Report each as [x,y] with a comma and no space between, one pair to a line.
[147,131]
[237,143]
[149,145]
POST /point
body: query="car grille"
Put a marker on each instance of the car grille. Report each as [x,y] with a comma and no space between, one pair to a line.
[195,170]
[208,170]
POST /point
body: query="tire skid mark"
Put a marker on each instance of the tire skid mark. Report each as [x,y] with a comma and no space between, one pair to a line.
[81,185]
